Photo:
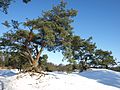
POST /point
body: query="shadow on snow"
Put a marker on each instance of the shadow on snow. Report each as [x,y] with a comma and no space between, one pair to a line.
[110,78]
[6,73]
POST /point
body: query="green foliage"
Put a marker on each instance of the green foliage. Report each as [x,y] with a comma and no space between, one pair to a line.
[85,53]
[60,67]
[117,68]
[69,68]
[52,31]
[1,59]
[43,62]
[81,51]
[54,27]
[4,4]
[26,1]
[104,58]
[13,40]
[51,67]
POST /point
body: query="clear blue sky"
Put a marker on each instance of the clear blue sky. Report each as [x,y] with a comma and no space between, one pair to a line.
[97,18]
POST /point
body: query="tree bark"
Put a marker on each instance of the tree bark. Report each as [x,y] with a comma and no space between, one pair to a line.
[35,62]
[39,53]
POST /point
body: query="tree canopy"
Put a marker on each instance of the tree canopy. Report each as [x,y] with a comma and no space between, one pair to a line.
[25,42]
[4,4]
[52,31]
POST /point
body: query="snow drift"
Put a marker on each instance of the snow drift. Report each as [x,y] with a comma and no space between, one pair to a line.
[95,79]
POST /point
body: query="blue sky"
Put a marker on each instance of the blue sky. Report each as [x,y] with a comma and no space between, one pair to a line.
[97,18]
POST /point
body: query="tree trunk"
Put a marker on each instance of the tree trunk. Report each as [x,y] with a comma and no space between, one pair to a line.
[106,66]
[35,62]
[81,66]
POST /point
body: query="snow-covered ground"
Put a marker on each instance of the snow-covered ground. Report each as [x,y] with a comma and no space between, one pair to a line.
[95,79]
[4,74]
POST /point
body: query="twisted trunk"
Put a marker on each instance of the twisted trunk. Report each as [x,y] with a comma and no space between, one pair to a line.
[35,62]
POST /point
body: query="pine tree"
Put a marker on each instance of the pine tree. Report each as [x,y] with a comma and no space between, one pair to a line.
[4,4]
[81,51]
[104,58]
[52,31]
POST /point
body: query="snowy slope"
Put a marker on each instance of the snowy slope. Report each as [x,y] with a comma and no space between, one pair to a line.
[4,74]
[103,76]
[95,79]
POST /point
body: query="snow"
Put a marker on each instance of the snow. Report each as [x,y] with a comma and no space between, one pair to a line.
[4,75]
[95,79]
[104,76]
